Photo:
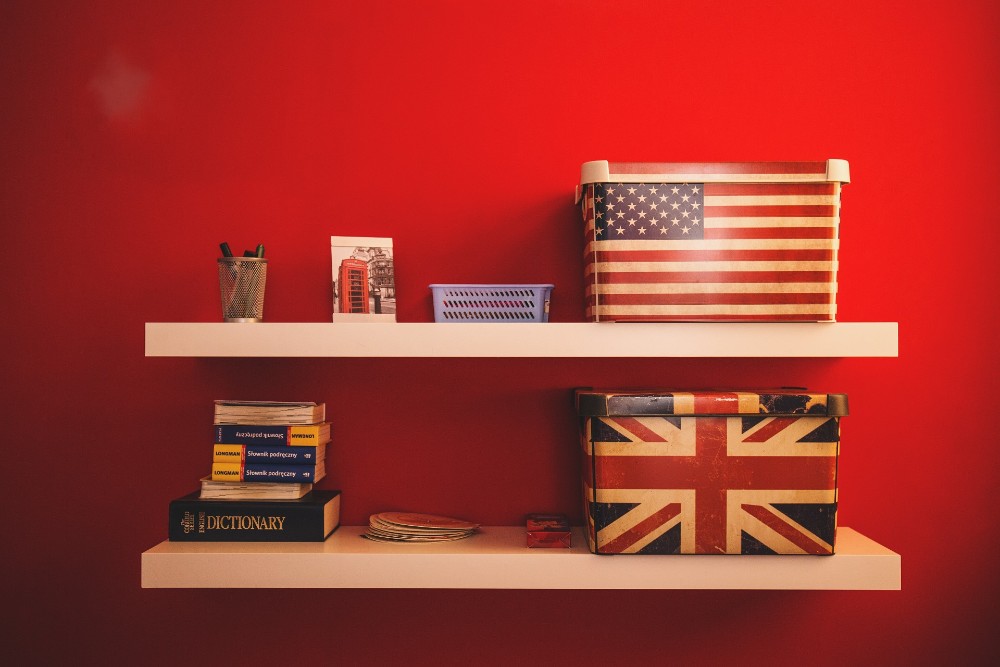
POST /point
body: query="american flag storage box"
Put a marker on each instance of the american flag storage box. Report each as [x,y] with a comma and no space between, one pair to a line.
[710,472]
[715,241]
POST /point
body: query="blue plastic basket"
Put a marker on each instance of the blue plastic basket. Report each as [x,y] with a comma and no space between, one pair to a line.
[491,303]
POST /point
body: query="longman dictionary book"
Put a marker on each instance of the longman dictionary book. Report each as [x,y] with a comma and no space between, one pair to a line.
[298,455]
[269,472]
[308,435]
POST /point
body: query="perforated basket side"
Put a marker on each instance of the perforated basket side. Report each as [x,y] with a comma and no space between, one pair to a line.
[491,303]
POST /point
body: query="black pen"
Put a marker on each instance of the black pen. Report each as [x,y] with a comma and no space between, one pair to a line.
[226,252]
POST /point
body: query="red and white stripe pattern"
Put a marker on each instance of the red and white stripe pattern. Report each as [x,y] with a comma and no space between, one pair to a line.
[749,241]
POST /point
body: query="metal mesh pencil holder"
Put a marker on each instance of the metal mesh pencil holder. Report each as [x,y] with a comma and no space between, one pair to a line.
[241,285]
[491,303]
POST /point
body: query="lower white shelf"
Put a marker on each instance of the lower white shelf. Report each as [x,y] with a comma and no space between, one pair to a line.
[497,558]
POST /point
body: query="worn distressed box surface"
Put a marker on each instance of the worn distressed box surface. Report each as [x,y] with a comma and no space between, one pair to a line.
[717,241]
[710,472]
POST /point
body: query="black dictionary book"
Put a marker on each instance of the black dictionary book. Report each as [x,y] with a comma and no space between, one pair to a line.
[310,518]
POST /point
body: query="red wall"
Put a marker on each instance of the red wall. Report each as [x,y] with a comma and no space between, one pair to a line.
[137,136]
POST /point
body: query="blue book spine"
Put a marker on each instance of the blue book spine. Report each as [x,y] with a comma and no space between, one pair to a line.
[263,472]
[251,435]
[310,435]
[265,454]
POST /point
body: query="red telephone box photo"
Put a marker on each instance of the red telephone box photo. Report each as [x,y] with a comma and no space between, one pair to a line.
[352,286]
[364,281]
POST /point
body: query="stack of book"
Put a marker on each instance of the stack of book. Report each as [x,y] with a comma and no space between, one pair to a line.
[267,450]
[266,457]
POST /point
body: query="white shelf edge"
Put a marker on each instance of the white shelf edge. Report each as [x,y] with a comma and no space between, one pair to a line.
[497,559]
[682,339]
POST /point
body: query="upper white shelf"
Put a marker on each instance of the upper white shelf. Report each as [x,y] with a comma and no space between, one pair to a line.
[498,558]
[619,339]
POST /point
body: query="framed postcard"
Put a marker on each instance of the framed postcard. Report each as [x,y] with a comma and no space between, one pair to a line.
[364,280]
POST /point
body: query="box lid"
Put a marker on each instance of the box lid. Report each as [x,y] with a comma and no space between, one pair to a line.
[822,171]
[649,402]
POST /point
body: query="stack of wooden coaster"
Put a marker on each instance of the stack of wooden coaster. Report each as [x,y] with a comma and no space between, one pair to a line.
[415,527]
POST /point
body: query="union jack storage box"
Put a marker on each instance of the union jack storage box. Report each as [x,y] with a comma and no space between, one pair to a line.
[714,241]
[710,472]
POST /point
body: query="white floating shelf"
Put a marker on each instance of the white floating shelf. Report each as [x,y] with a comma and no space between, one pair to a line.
[619,339]
[497,558]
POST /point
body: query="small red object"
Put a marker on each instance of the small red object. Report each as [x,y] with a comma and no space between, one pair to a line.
[548,531]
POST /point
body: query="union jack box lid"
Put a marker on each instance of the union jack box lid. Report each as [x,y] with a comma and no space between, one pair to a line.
[605,403]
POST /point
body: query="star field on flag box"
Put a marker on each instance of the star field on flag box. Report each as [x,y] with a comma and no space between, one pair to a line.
[710,472]
[712,241]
